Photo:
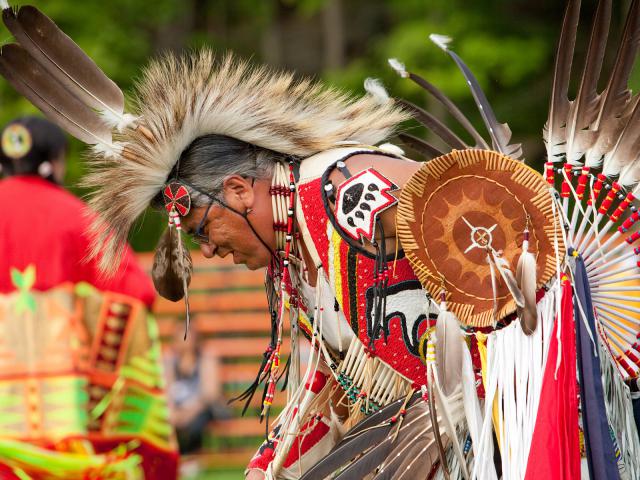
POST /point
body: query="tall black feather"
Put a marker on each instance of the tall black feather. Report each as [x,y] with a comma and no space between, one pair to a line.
[500,133]
[433,124]
[421,146]
[451,107]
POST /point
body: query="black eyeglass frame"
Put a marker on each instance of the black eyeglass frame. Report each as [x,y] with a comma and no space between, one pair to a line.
[198,236]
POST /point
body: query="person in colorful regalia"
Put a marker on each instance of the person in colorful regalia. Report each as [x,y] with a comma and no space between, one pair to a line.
[80,373]
[451,306]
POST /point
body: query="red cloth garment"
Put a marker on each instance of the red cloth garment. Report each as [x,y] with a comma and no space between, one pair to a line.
[44,225]
[555,447]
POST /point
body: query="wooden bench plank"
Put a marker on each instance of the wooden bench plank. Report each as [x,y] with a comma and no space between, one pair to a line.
[240,347]
[238,427]
[220,323]
[233,301]
[208,459]
[199,261]
[237,278]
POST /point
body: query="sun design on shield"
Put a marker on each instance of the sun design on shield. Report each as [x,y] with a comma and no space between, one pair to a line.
[469,217]
[467,204]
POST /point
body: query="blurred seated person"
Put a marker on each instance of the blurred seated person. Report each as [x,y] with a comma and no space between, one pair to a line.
[194,388]
[80,366]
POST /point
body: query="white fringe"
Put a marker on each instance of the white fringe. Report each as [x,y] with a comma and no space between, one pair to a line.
[516,364]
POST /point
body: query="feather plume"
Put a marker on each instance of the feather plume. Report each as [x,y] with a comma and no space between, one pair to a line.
[63,59]
[392,149]
[168,269]
[615,100]
[526,278]
[554,129]
[500,133]
[620,159]
[374,87]
[584,109]
[433,124]
[181,98]
[118,122]
[448,350]
[421,146]
[399,67]
[32,81]
[106,150]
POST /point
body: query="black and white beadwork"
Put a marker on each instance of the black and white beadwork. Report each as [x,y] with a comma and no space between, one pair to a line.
[360,199]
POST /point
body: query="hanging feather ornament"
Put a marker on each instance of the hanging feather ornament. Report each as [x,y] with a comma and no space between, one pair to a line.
[168,271]
[526,278]
[177,272]
[449,346]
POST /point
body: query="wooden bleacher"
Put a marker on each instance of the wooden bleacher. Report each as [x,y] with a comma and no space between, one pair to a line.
[229,306]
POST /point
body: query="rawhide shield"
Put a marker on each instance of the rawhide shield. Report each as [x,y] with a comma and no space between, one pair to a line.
[458,206]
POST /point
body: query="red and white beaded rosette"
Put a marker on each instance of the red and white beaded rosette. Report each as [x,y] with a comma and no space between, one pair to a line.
[461,221]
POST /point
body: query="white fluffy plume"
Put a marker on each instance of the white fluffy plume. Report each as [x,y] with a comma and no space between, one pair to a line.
[441,41]
[399,67]
[374,87]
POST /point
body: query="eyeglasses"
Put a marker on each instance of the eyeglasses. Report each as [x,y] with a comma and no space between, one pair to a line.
[199,237]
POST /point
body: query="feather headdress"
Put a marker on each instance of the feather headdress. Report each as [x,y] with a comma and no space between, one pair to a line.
[181,98]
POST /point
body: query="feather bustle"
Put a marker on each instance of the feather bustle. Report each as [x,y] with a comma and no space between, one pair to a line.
[554,128]
[584,109]
[615,101]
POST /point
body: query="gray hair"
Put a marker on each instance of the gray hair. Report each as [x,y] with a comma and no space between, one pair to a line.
[210,159]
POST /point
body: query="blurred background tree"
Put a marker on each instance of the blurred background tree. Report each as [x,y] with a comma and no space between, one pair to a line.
[509,45]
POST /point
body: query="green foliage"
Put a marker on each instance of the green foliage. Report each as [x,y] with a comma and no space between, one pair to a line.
[508,44]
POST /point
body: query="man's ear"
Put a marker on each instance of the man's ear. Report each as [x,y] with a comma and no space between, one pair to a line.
[238,192]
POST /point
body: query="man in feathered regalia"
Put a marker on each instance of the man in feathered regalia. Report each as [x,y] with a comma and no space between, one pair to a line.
[459,310]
